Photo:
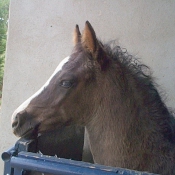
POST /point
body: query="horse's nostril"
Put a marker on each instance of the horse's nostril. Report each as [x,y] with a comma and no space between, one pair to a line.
[15,121]
[14,124]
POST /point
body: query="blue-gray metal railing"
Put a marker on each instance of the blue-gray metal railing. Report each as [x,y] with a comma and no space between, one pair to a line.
[18,161]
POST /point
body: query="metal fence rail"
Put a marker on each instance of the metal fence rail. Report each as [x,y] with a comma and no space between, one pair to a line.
[18,161]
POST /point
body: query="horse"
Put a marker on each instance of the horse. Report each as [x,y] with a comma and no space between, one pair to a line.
[114,96]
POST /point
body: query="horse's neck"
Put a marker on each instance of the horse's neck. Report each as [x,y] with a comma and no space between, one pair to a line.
[108,132]
[109,140]
[121,127]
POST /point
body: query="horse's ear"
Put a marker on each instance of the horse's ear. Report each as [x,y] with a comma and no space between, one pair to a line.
[77,35]
[91,44]
[89,40]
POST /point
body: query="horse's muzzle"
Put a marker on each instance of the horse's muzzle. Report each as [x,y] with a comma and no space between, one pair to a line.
[23,125]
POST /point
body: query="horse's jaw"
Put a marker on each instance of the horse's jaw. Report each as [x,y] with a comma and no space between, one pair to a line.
[29,132]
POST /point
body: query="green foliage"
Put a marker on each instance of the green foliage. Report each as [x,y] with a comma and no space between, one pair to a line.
[4,7]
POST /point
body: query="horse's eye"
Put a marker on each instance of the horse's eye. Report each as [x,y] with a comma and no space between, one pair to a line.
[66,84]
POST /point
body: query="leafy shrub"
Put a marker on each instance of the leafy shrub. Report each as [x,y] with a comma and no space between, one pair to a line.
[4,7]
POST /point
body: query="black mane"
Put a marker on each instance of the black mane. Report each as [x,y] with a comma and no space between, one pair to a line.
[133,64]
[144,77]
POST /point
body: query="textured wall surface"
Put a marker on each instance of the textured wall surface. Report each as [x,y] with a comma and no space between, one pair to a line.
[40,35]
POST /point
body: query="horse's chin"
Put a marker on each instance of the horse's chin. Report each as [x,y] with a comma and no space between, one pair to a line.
[40,129]
[30,133]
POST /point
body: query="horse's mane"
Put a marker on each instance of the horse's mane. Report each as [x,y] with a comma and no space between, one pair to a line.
[144,77]
[130,62]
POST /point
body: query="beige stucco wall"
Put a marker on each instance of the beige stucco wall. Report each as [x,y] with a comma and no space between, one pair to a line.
[40,35]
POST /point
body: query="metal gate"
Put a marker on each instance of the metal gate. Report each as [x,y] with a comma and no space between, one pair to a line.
[20,160]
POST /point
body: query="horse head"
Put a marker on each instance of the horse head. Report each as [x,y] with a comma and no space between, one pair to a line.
[69,96]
